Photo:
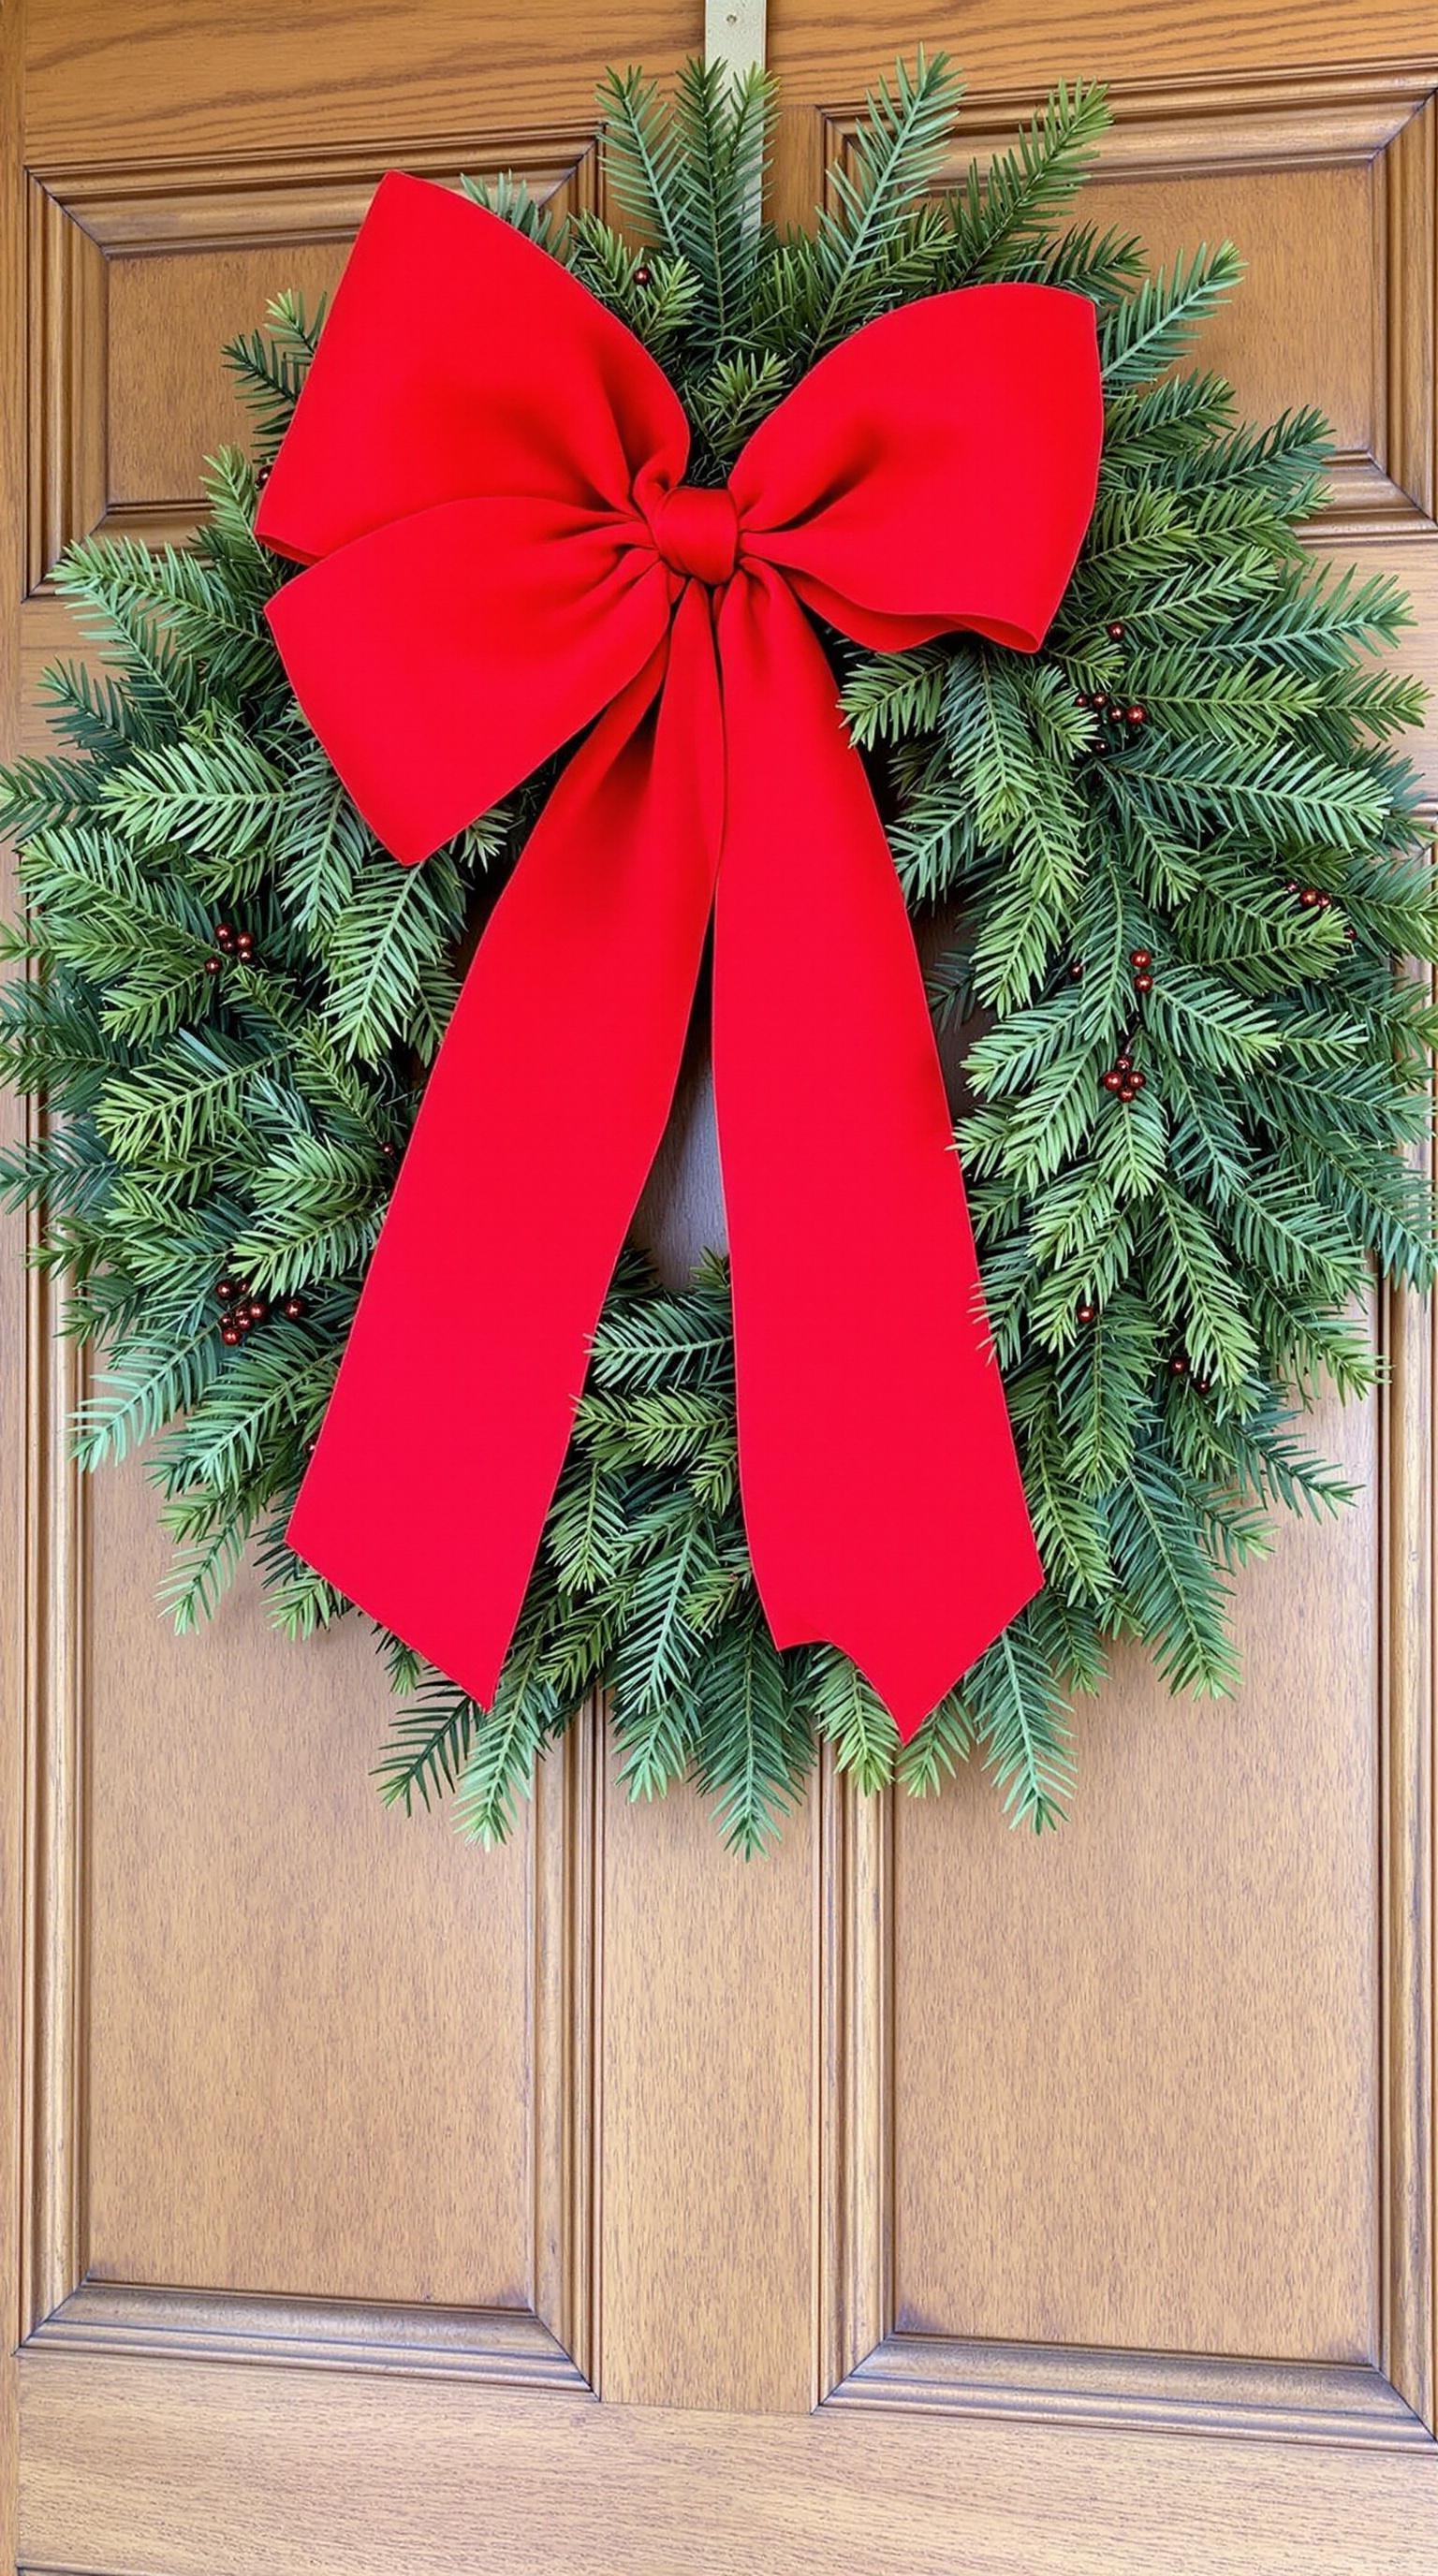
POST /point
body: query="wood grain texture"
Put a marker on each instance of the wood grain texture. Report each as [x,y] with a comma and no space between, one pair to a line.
[286,2000]
[1138,2063]
[174,2470]
[708,2203]
[161,79]
[67,367]
[1001,45]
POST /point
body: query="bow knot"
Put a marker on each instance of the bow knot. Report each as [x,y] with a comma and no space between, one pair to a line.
[472,478]
[696,530]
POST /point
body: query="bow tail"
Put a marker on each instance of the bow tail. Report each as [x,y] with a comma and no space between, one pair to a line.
[882,1496]
[427,1493]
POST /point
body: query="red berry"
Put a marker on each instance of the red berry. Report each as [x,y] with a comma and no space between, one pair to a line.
[1140,957]
[212,965]
[387,1150]
[641,274]
[1116,631]
[1351,935]
[1325,902]
[230,1335]
[293,1308]
[224,936]
[1076,971]
[1123,1063]
[257,1310]
[1143,983]
[1178,1367]
[1137,715]
[1291,886]
[1137,1081]
[1309,898]
[1113,1081]
[1087,1314]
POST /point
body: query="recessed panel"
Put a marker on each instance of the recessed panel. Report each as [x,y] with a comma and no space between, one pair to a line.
[1137,2060]
[1302,327]
[135,289]
[172,399]
[308,2060]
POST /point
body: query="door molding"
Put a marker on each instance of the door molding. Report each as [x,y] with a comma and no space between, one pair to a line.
[552,2343]
[867,2359]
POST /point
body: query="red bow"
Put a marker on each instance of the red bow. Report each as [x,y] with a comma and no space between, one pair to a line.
[485,473]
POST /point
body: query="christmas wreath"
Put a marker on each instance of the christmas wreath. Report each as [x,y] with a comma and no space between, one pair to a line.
[1168,864]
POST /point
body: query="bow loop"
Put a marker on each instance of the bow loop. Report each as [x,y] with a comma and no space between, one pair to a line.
[485,477]
[426,386]
[936,470]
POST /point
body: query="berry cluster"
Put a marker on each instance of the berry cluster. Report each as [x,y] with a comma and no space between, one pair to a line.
[1113,712]
[1315,899]
[1123,1077]
[239,944]
[1118,717]
[243,1310]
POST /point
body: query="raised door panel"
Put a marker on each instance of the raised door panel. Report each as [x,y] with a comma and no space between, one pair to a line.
[1163,2024]
[289,2005]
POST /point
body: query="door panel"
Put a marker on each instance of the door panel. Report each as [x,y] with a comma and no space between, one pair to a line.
[286,2011]
[1182,2152]
[356,2163]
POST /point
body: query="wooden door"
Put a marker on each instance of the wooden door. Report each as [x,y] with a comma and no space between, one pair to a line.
[922,2198]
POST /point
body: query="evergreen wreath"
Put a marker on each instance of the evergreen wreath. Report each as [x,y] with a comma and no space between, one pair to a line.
[1184,863]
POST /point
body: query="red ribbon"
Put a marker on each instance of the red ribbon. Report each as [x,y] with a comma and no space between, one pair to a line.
[485,474]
